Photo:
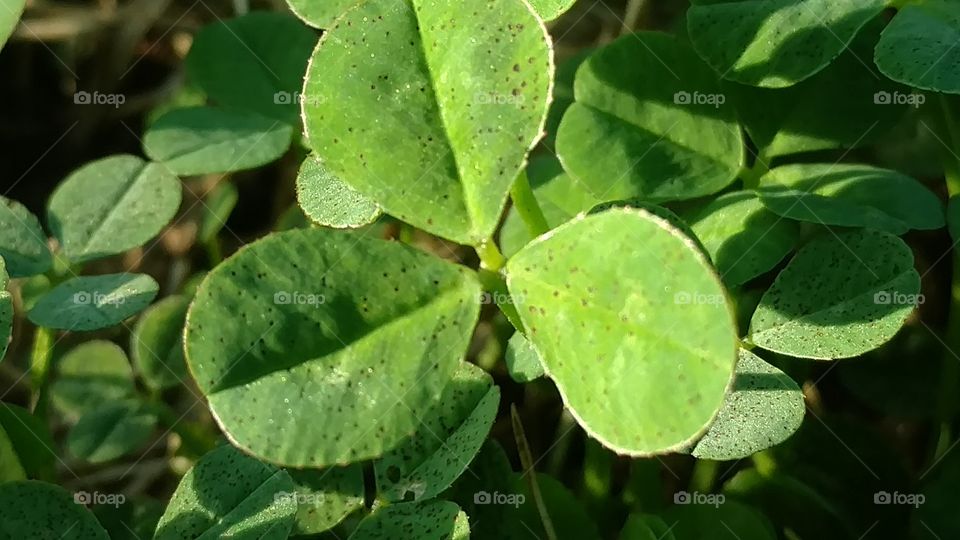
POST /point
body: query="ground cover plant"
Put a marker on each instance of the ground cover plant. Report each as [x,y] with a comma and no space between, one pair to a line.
[691,277]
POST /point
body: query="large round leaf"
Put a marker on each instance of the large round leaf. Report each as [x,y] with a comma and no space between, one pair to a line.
[775,43]
[325,497]
[93,302]
[156,343]
[442,520]
[919,47]
[31,510]
[9,16]
[207,140]
[328,201]
[763,409]
[317,323]
[111,430]
[23,244]
[323,14]
[254,63]
[112,205]
[413,107]
[661,130]
[744,239]
[842,295]
[6,310]
[91,374]
[448,437]
[851,196]
[229,494]
[642,346]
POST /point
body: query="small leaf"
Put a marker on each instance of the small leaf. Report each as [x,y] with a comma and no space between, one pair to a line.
[253,63]
[851,196]
[23,244]
[9,15]
[702,521]
[10,467]
[208,140]
[217,206]
[659,131]
[325,497]
[427,519]
[918,47]
[93,302]
[156,343]
[229,494]
[330,202]
[451,130]
[744,239]
[6,310]
[112,205]
[640,384]
[842,295]
[448,437]
[111,430]
[32,510]
[523,361]
[361,332]
[775,43]
[764,408]
[92,373]
[32,443]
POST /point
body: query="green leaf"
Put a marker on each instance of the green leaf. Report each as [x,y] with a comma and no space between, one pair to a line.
[92,373]
[229,494]
[645,527]
[523,361]
[23,244]
[217,206]
[325,497]
[918,47]
[562,95]
[9,15]
[763,409]
[489,472]
[111,430]
[442,520]
[551,9]
[660,131]
[93,302]
[10,467]
[156,343]
[842,295]
[330,202]
[804,117]
[447,438]
[728,519]
[32,510]
[32,443]
[639,384]
[851,196]
[560,198]
[208,140]
[112,205]
[6,310]
[743,238]
[570,519]
[253,63]
[953,218]
[775,43]
[361,332]
[135,519]
[320,14]
[935,506]
[451,111]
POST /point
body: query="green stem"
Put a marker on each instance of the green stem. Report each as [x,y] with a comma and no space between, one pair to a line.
[527,206]
[494,284]
[526,461]
[490,257]
[40,355]
[214,253]
[751,175]
[704,476]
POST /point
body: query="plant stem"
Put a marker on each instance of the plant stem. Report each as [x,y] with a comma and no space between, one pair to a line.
[526,461]
[241,7]
[631,16]
[751,175]
[704,475]
[951,364]
[493,283]
[490,257]
[527,206]
[40,354]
